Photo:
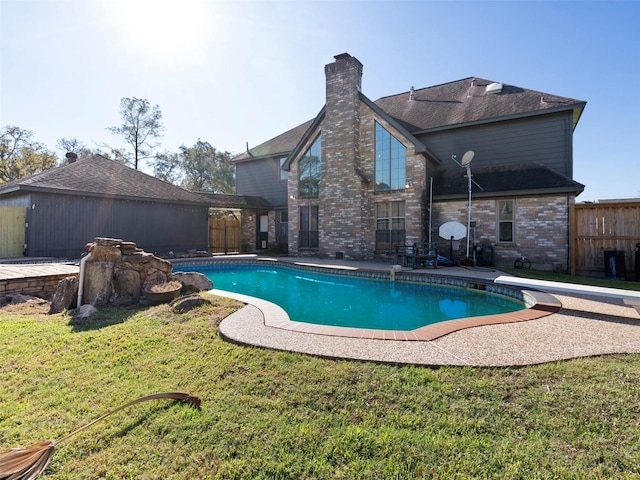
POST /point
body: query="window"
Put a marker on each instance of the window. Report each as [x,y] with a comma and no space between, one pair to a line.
[505,220]
[282,227]
[283,173]
[308,234]
[390,228]
[309,180]
[391,158]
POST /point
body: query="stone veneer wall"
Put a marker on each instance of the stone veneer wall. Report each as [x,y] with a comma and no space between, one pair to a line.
[541,230]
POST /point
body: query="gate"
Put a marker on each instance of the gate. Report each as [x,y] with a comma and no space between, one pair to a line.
[225,235]
[597,228]
[12,231]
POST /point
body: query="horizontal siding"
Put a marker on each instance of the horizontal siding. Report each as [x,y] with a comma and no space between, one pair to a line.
[61,225]
[544,139]
[262,178]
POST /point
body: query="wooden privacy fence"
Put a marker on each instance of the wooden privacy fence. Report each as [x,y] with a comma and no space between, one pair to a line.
[12,231]
[225,235]
[597,228]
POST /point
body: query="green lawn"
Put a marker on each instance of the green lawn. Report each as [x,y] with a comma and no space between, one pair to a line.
[277,415]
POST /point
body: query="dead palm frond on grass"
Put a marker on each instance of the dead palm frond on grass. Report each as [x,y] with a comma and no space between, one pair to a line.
[29,462]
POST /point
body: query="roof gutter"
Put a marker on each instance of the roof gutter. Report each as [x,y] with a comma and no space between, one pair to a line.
[510,193]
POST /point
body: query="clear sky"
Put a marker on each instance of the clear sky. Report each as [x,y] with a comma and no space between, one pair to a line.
[232,72]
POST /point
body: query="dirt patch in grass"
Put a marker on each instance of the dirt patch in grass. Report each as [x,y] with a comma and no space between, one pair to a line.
[216,310]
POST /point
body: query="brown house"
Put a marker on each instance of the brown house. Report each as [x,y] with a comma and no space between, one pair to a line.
[363,176]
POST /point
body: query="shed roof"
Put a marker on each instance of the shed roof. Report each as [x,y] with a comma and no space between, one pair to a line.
[506,180]
[99,176]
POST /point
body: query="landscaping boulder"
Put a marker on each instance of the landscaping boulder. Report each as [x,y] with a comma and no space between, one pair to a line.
[185,304]
[193,282]
[154,277]
[119,273]
[28,299]
[126,286]
[65,296]
[85,311]
[98,285]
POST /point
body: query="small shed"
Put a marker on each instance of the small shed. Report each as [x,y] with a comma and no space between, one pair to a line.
[70,205]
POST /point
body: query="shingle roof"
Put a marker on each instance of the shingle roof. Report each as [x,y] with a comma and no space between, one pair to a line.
[443,106]
[98,176]
[282,144]
[226,200]
[460,102]
[514,180]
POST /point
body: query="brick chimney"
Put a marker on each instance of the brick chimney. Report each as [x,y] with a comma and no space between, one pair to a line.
[341,193]
[344,78]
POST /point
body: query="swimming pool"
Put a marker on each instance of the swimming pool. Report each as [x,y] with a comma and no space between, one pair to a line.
[346,301]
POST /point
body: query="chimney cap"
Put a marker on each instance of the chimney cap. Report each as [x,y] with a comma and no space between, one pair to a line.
[342,56]
[71,157]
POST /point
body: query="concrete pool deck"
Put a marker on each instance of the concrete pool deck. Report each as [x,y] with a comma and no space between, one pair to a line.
[581,327]
[585,325]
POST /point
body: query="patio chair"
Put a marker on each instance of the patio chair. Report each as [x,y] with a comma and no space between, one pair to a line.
[405,254]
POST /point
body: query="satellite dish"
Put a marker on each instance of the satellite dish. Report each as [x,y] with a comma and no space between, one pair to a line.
[467,157]
[452,229]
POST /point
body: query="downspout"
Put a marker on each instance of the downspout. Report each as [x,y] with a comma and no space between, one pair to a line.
[81,280]
[569,246]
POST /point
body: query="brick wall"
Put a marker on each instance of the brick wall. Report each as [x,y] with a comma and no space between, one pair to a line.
[346,198]
[414,197]
[341,193]
[541,229]
[43,287]
[248,243]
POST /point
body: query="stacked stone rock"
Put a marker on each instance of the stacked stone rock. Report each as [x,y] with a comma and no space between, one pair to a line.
[118,273]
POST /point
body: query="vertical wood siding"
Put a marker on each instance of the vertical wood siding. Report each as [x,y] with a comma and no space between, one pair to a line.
[61,225]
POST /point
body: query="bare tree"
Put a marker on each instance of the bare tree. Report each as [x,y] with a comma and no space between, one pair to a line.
[74,145]
[141,125]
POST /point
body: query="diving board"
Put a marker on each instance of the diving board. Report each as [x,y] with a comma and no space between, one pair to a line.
[630,297]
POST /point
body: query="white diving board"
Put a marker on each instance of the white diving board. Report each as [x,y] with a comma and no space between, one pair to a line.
[630,297]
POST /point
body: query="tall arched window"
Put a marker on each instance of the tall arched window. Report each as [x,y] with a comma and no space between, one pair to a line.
[391,161]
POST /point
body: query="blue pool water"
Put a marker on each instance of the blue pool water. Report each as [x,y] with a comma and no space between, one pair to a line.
[346,301]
